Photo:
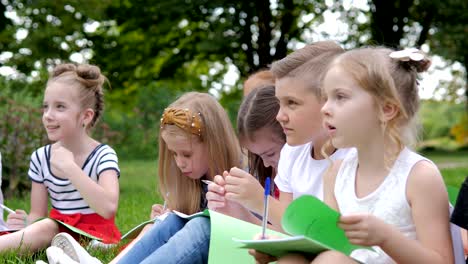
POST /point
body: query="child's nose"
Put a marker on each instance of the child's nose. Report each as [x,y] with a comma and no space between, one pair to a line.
[180,163]
[47,113]
[325,109]
[267,163]
[281,116]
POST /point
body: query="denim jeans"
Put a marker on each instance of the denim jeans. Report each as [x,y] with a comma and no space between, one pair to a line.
[173,241]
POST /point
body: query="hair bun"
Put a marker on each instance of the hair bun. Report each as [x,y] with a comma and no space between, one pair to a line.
[89,72]
[412,58]
[422,65]
[62,68]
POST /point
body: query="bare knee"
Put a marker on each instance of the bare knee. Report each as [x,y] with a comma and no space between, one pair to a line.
[293,259]
[42,232]
[330,256]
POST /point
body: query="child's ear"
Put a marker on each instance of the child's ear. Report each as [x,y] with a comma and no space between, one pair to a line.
[389,111]
[88,115]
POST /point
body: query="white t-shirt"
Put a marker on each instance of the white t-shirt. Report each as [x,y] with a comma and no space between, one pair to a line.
[299,174]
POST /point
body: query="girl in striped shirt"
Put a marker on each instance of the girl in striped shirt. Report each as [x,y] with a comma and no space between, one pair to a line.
[77,173]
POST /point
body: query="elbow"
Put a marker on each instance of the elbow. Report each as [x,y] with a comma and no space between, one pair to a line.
[109,212]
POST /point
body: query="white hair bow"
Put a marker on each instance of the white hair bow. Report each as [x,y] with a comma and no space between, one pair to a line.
[407,54]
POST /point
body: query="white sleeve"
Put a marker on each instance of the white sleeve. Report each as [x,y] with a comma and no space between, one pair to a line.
[35,166]
[108,161]
[282,179]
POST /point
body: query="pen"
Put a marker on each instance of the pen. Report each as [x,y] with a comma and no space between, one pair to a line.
[265,206]
[207,182]
[8,209]
[165,202]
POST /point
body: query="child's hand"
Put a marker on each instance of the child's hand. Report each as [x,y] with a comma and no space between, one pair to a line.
[363,229]
[17,220]
[244,189]
[61,160]
[215,194]
[157,210]
[262,258]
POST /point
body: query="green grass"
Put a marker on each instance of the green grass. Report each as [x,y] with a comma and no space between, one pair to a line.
[453,165]
[138,193]
[446,157]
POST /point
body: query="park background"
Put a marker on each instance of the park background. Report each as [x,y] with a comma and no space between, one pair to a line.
[153,51]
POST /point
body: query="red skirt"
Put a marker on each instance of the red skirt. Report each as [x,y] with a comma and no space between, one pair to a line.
[92,224]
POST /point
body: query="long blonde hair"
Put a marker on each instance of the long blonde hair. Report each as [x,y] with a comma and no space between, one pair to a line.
[184,194]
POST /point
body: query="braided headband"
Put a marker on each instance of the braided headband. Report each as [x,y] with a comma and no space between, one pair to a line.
[184,119]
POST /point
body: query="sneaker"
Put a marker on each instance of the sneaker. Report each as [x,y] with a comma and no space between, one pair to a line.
[56,255]
[93,244]
[73,249]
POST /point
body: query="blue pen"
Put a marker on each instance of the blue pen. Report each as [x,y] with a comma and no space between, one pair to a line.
[265,206]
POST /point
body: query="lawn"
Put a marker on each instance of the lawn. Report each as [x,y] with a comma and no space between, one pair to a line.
[138,193]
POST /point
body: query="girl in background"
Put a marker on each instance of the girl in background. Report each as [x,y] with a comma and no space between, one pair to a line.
[78,173]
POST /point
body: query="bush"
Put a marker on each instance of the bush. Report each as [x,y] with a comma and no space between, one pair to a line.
[138,121]
[21,132]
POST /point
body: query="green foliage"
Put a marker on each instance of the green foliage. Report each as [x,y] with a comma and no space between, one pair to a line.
[231,101]
[21,132]
[460,130]
[55,31]
[439,117]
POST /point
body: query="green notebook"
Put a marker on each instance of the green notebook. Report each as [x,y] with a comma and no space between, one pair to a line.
[223,249]
[313,226]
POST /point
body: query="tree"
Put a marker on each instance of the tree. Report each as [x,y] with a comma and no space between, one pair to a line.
[138,42]
[196,36]
[449,39]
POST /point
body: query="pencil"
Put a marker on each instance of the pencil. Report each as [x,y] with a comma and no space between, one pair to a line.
[7,209]
[207,182]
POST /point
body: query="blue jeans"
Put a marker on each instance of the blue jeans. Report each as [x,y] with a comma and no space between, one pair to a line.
[173,241]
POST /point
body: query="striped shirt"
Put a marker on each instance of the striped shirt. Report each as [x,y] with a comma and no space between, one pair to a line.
[63,195]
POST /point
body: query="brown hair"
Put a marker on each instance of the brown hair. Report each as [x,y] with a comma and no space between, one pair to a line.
[388,81]
[259,79]
[308,64]
[258,110]
[221,141]
[88,79]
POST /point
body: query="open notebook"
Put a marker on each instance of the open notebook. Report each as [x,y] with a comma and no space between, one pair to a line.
[311,223]
[313,228]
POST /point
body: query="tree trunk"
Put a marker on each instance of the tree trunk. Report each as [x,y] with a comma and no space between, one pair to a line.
[466,82]
[387,21]
[287,20]
[264,33]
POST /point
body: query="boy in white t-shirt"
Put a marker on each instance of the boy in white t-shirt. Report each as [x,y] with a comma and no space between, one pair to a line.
[298,170]
[302,164]
[303,159]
